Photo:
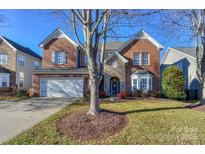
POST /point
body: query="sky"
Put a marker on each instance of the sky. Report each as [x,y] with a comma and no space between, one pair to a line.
[30,27]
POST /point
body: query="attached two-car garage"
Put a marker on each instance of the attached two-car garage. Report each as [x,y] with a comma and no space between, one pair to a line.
[61,86]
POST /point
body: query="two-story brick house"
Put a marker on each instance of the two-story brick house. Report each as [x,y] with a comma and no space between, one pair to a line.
[16,64]
[129,66]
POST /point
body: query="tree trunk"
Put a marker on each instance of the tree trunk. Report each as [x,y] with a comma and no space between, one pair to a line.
[94,97]
[202,97]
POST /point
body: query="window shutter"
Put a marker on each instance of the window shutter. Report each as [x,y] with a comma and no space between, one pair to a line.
[53,56]
[64,57]
[148,58]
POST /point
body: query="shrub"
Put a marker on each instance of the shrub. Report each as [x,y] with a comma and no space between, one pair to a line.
[102,94]
[137,93]
[21,93]
[129,94]
[173,83]
[144,94]
[153,93]
[121,95]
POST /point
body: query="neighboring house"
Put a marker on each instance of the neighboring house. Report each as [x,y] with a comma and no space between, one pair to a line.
[129,66]
[185,59]
[16,64]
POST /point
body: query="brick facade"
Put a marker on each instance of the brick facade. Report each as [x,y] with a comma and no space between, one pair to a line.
[123,70]
[142,45]
[61,44]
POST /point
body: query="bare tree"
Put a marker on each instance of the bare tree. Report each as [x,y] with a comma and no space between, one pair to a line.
[189,24]
[197,18]
[96,26]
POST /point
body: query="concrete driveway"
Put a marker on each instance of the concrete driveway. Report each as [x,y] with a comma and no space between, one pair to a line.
[16,117]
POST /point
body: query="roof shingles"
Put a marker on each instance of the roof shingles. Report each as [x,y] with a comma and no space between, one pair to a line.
[22,48]
[189,51]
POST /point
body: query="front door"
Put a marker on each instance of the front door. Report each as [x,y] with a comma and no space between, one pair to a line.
[114,86]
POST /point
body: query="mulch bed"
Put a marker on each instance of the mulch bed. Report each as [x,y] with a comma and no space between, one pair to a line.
[79,125]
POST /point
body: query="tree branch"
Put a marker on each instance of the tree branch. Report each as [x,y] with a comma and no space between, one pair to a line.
[75,32]
[79,16]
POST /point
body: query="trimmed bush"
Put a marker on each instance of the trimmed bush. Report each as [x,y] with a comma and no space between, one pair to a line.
[145,94]
[21,93]
[129,94]
[102,94]
[153,93]
[173,83]
[137,93]
[121,95]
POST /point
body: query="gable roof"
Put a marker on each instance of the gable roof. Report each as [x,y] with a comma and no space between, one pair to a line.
[141,35]
[111,46]
[16,46]
[58,33]
[115,53]
[189,51]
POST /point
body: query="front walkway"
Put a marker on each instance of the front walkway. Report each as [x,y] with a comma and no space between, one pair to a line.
[16,117]
[198,107]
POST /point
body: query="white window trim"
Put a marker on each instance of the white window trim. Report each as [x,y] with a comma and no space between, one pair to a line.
[114,64]
[6,58]
[8,79]
[63,60]
[19,82]
[139,77]
[21,60]
[148,58]
[134,58]
[36,64]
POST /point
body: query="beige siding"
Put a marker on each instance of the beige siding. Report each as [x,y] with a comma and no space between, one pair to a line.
[26,69]
[173,57]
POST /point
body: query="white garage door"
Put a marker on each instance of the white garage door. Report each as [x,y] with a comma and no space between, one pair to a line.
[61,87]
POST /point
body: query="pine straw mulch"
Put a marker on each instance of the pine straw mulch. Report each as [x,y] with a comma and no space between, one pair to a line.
[81,126]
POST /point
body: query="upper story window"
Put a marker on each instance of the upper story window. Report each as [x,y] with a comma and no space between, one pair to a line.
[59,57]
[136,58]
[114,64]
[145,58]
[3,58]
[36,64]
[21,60]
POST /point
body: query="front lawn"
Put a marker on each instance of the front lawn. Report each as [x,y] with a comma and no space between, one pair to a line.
[149,122]
[12,98]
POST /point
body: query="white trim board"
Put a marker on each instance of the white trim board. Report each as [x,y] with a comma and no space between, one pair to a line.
[141,35]
[11,46]
[118,56]
[168,50]
[58,33]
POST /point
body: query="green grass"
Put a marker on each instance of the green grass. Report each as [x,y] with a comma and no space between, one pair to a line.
[12,98]
[150,122]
